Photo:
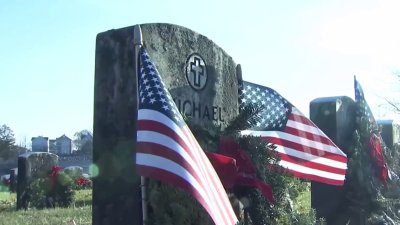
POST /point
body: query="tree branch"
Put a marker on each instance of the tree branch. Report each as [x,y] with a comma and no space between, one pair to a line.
[397,108]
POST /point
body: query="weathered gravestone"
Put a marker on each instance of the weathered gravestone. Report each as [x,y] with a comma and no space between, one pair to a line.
[30,166]
[335,116]
[13,179]
[74,171]
[390,132]
[202,79]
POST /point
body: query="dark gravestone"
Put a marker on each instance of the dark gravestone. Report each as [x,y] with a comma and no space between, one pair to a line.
[390,132]
[202,79]
[335,116]
[30,166]
[13,179]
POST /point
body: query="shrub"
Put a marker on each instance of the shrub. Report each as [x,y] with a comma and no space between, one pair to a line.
[55,189]
[5,184]
[82,182]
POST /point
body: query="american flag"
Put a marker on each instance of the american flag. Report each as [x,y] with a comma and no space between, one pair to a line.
[375,139]
[304,149]
[363,109]
[168,151]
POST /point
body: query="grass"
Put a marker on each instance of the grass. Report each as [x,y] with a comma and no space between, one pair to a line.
[81,213]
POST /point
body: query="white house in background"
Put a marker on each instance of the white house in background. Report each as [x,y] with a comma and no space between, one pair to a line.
[61,145]
[40,144]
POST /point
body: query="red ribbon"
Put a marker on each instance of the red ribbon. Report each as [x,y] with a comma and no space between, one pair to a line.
[377,156]
[234,167]
[226,168]
[53,174]
[227,146]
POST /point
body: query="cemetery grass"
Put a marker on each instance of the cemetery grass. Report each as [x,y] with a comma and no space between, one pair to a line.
[81,213]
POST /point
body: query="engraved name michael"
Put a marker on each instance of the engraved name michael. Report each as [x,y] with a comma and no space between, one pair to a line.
[201,111]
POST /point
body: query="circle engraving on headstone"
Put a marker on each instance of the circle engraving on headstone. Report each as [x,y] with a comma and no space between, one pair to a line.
[196,72]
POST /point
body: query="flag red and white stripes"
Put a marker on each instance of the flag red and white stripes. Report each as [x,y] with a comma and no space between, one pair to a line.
[168,151]
[304,149]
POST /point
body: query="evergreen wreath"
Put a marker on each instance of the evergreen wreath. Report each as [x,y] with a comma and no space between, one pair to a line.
[168,205]
[368,200]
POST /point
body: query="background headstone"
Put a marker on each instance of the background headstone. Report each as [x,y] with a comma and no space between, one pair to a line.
[13,179]
[30,166]
[390,132]
[335,116]
[184,60]
[74,171]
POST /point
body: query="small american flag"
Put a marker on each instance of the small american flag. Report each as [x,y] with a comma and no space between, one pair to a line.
[375,139]
[168,151]
[363,109]
[304,149]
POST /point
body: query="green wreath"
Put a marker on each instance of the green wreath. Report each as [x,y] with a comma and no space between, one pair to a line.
[168,205]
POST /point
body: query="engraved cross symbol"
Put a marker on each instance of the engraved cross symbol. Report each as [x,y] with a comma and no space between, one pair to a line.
[197,70]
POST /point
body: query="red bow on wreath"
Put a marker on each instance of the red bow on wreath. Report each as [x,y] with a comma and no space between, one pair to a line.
[82,181]
[377,156]
[234,167]
[53,174]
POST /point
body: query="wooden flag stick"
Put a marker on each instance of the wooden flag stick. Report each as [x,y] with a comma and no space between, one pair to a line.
[138,41]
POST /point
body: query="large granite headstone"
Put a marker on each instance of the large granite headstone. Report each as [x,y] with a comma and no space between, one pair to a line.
[202,79]
[335,116]
[390,132]
[30,166]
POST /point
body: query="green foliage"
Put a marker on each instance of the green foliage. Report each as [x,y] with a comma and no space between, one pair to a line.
[285,187]
[265,159]
[7,143]
[79,182]
[51,192]
[362,188]
[4,187]
[247,118]
[83,141]
[369,201]
[172,206]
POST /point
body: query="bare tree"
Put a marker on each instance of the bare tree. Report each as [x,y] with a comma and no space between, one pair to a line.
[393,104]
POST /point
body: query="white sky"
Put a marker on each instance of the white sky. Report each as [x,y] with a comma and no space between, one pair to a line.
[302,49]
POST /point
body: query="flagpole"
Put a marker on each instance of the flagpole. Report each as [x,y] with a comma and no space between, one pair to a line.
[138,41]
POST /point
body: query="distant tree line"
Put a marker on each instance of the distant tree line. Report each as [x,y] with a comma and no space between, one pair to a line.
[83,141]
[8,148]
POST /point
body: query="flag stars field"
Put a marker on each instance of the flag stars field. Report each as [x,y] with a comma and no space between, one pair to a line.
[304,149]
